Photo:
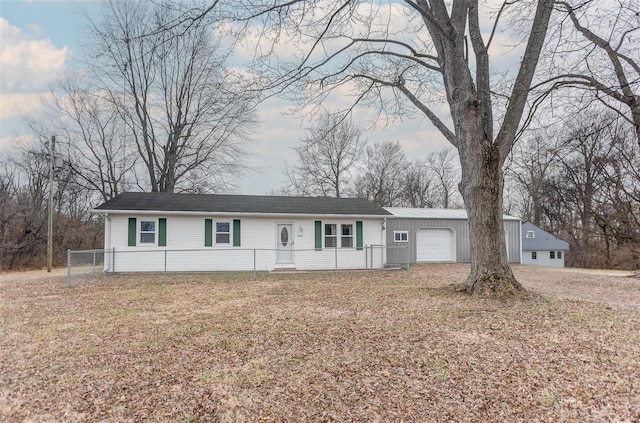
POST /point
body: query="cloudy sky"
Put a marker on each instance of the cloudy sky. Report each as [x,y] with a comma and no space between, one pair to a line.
[41,39]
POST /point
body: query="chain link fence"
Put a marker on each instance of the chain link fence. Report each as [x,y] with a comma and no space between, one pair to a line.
[91,265]
[87,264]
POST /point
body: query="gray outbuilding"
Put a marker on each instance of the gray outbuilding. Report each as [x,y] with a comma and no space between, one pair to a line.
[540,248]
[441,235]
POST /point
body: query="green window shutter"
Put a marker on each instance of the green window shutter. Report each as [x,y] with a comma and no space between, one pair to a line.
[358,234]
[236,232]
[208,232]
[318,235]
[133,229]
[162,232]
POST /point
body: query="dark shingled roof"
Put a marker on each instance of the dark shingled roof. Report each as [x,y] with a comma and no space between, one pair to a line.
[220,203]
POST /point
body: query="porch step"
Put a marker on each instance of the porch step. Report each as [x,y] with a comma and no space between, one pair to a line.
[284,270]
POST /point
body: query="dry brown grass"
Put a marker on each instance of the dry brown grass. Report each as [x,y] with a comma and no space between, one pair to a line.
[313,347]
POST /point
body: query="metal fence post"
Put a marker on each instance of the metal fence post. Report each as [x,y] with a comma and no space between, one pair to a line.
[406,255]
[336,257]
[165,265]
[254,263]
[93,270]
[68,268]
[366,257]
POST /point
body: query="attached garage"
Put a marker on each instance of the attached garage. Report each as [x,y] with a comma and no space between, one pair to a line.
[435,245]
[441,235]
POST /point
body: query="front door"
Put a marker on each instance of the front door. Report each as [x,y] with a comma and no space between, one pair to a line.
[284,239]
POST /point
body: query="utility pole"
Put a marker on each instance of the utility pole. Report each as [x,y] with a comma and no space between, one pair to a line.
[50,220]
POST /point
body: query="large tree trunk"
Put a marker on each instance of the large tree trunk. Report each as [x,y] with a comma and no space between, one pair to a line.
[456,56]
[481,156]
[483,186]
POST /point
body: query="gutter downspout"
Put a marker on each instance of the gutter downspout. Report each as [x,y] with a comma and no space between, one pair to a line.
[384,242]
[108,265]
[520,237]
[107,231]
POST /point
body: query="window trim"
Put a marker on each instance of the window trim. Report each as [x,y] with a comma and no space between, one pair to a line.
[338,234]
[559,255]
[344,237]
[229,233]
[552,255]
[531,234]
[395,238]
[534,255]
[155,231]
[334,236]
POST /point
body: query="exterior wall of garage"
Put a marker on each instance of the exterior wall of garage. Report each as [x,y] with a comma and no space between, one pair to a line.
[460,227]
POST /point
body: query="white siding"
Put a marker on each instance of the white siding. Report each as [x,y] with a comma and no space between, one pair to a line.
[307,258]
[543,259]
[185,250]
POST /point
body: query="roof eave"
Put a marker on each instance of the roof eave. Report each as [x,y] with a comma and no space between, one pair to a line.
[247,214]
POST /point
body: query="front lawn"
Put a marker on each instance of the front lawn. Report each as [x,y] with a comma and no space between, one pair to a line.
[315,347]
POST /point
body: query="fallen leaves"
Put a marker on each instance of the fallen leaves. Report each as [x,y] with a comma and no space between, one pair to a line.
[313,347]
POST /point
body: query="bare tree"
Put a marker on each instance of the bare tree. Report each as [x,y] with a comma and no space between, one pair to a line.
[383,176]
[91,137]
[588,161]
[580,184]
[24,185]
[441,52]
[622,218]
[535,163]
[188,118]
[441,165]
[354,46]
[326,156]
[9,213]
[25,179]
[603,56]
[417,186]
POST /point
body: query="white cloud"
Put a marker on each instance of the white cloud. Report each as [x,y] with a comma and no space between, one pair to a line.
[282,44]
[12,105]
[27,64]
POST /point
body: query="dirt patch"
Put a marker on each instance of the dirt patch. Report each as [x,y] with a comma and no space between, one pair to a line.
[315,347]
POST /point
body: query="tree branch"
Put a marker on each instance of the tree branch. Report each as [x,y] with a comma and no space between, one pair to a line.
[520,91]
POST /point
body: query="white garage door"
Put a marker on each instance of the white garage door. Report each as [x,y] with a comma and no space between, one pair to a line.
[435,245]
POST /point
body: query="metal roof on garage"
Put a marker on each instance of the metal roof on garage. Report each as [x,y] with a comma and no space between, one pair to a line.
[415,213]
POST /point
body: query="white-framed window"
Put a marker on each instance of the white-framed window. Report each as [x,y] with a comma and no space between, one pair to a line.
[559,255]
[531,234]
[147,231]
[346,235]
[534,255]
[339,235]
[222,233]
[552,255]
[330,235]
[401,236]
